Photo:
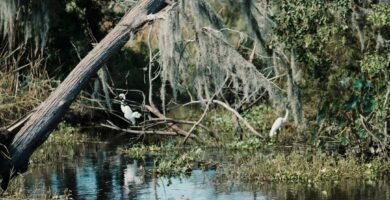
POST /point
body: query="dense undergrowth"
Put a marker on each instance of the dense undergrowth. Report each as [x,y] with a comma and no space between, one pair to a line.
[337,50]
[341,70]
[304,167]
[60,145]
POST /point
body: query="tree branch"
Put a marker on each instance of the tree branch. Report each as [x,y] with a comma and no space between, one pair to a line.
[39,126]
[227,107]
[138,132]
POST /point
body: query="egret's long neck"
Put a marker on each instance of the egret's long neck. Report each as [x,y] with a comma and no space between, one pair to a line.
[123,102]
[285,116]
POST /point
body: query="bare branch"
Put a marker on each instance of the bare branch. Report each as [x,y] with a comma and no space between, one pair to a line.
[227,107]
[178,121]
[383,146]
[174,127]
[139,132]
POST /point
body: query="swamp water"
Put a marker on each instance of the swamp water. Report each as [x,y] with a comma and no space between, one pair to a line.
[97,171]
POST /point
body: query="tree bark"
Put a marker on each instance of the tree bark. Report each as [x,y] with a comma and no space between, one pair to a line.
[48,114]
[294,93]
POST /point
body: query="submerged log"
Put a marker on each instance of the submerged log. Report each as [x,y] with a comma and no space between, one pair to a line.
[40,124]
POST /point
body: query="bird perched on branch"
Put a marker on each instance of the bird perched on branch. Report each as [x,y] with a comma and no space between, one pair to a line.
[128,113]
[278,124]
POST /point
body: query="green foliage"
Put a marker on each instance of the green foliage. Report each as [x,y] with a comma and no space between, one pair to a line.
[342,49]
[245,145]
[380,15]
[140,150]
[375,63]
[343,53]
[71,6]
[179,163]
[308,27]
[260,117]
[361,98]
[16,190]
[55,147]
[169,161]
[303,167]
[221,120]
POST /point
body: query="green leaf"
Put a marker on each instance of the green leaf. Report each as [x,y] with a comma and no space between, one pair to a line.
[362,133]
[357,84]
[344,139]
[369,85]
[369,105]
[320,116]
[352,104]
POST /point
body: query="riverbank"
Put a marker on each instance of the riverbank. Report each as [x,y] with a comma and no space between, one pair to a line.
[251,162]
[248,166]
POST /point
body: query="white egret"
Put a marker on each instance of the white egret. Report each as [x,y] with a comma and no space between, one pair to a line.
[128,113]
[278,124]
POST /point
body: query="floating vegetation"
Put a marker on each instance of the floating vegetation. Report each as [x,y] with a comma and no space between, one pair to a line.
[172,160]
[141,150]
[179,163]
[307,167]
[254,161]
[16,190]
[249,144]
[59,144]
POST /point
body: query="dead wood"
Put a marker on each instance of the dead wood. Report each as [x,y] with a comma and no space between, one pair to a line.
[138,132]
[178,121]
[40,124]
[173,126]
[229,108]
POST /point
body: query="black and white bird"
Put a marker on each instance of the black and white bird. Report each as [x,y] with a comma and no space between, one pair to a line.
[127,112]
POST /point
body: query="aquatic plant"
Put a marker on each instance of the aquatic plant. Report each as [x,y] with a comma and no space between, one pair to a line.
[59,144]
[306,167]
[16,190]
[178,163]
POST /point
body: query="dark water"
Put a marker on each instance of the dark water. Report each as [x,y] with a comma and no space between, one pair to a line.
[100,173]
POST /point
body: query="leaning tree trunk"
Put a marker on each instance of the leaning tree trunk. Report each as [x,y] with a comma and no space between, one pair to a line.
[48,114]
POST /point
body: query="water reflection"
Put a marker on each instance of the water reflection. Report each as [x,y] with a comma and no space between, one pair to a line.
[102,174]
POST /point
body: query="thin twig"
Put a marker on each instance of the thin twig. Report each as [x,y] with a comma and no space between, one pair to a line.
[239,117]
[246,123]
[371,133]
[198,122]
[178,121]
[140,132]
[173,126]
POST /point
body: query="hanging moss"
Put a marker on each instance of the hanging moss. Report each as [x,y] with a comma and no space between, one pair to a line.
[211,56]
[24,21]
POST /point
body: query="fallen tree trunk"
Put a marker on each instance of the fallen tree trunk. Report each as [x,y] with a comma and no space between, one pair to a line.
[48,114]
[7,133]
